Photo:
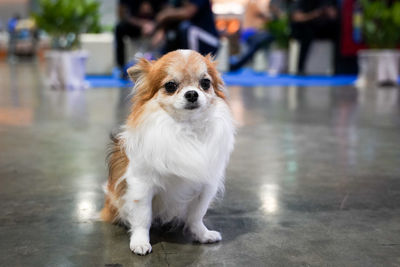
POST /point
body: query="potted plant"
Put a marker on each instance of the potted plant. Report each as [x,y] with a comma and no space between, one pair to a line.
[64,21]
[277,59]
[380,27]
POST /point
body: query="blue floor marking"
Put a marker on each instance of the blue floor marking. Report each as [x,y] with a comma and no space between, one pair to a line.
[251,78]
[96,81]
[246,77]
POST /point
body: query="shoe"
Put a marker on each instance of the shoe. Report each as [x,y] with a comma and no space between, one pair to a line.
[387,84]
[124,76]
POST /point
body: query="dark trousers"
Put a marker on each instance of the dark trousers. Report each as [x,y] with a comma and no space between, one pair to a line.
[256,41]
[188,36]
[121,30]
[306,32]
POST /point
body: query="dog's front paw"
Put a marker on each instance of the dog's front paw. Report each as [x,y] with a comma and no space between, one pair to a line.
[140,248]
[209,237]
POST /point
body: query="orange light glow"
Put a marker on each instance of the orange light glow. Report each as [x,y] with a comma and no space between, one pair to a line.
[233,26]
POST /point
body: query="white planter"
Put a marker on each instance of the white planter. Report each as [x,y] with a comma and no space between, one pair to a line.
[100,47]
[277,62]
[377,67]
[66,69]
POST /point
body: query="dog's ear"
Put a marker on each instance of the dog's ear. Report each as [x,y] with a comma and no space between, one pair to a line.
[139,69]
[212,60]
[218,83]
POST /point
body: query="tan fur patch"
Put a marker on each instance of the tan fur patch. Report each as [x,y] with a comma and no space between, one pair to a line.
[117,164]
[109,213]
[150,82]
[216,78]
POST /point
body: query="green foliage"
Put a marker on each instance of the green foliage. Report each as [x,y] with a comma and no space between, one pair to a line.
[279,28]
[381,23]
[64,20]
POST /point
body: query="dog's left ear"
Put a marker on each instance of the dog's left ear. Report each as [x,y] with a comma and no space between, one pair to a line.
[218,83]
[140,69]
[212,60]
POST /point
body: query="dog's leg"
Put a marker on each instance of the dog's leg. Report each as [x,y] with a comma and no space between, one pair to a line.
[196,212]
[139,207]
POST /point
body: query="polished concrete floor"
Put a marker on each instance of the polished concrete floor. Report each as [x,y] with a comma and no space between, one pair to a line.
[314,179]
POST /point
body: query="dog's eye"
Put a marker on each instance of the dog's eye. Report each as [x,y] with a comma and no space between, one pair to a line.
[205,83]
[171,87]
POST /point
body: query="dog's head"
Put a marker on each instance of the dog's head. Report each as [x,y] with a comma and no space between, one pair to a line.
[182,82]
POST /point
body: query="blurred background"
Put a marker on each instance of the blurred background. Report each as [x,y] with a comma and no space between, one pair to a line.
[322,37]
[314,179]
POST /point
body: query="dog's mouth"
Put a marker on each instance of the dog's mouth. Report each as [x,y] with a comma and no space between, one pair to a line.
[192,106]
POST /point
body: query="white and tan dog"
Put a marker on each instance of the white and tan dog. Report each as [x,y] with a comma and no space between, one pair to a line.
[169,161]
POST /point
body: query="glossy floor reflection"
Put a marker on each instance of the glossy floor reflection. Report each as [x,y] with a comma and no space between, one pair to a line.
[314,179]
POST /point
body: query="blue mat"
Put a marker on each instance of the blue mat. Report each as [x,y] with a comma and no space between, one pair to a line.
[106,81]
[245,77]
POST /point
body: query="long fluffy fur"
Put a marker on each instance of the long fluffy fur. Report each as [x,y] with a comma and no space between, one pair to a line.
[116,184]
[175,158]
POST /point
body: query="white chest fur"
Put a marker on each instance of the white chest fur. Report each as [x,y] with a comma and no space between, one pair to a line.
[196,150]
[177,159]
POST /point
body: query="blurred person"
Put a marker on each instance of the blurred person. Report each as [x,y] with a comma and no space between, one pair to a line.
[136,20]
[11,28]
[313,19]
[12,23]
[187,24]
[253,33]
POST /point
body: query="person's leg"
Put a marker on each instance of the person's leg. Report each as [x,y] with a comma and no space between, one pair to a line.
[171,42]
[175,38]
[304,33]
[254,43]
[330,30]
[197,39]
[305,44]
[121,30]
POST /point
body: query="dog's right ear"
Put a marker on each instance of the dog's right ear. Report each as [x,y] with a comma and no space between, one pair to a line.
[139,69]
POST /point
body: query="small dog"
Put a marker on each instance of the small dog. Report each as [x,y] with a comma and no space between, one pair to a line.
[169,161]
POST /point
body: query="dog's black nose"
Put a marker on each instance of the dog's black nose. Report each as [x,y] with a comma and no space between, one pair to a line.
[191,96]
